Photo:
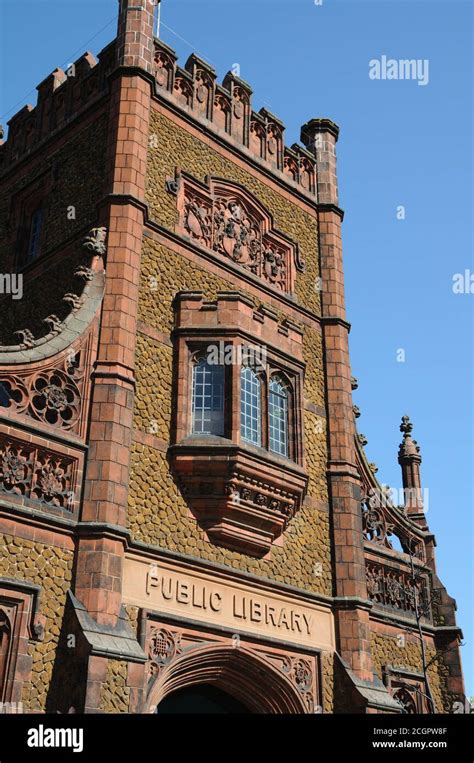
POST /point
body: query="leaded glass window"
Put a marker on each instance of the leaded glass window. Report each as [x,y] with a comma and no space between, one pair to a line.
[208,398]
[250,406]
[278,417]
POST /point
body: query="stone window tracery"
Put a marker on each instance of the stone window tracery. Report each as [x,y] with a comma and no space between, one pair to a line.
[408,688]
[36,228]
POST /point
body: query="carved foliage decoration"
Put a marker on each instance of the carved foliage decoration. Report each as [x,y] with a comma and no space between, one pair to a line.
[227,219]
[222,111]
[381,520]
[406,699]
[164,646]
[95,241]
[34,473]
[301,672]
[164,68]
[183,88]
[266,496]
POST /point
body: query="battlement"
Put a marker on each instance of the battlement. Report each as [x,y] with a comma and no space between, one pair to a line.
[62,95]
[228,109]
[225,108]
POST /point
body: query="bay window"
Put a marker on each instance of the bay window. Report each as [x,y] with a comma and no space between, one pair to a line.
[237,432]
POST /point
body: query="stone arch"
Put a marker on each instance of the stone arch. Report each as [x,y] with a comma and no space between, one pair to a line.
[240,672]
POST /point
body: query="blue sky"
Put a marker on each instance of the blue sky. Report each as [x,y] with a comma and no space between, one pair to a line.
[401,144]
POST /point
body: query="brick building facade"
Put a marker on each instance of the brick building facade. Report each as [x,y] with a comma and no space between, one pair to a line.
[175,524]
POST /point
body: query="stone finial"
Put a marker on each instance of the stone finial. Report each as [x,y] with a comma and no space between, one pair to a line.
[409,459]
[408,447]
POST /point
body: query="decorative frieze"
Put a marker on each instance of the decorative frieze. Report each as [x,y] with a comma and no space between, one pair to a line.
[398,589]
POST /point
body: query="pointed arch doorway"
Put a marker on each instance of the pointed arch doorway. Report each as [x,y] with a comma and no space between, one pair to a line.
[223,679]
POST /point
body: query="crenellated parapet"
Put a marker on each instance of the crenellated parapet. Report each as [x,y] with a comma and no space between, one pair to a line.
[62,95]
[228,107]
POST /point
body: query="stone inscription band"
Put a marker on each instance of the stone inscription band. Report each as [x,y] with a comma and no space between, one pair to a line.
[176,591]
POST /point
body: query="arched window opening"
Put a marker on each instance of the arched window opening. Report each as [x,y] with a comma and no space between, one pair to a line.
[34,241]
[278,416]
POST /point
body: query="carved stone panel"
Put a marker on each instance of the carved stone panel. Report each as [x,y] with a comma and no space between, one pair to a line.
[227,219]
[398,589]
[32,473]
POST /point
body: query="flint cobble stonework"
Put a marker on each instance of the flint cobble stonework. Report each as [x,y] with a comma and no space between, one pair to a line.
[387,650]
[115,694]
[51,568]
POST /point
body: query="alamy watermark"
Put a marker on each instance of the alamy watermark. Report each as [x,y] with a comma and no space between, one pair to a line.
[402,496]
[463,283]
[224,354]
[417,69]
[42,736]
[12,283]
